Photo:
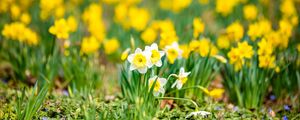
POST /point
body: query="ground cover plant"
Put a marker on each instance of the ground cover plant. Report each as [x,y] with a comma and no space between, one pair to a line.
[149,59]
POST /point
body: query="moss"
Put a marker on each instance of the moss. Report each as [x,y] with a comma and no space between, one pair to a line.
[80,107]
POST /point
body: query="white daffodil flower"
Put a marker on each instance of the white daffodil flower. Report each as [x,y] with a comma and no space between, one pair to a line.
[181,78]
[173,52]
[158,85]
[198,113]
[139,60]
[155,55]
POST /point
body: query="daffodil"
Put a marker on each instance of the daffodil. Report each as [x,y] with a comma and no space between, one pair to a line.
[186,50]
[139,60]
[198,26]
[223,42]
[157,84]
[89,45]
[25,18]
[111,46]
[214,93]
[72,23]
[235,31]
[149,35]
[245,50]
[60,29]
[265,48]
[173,52]
[250,12]
[155,57]
[225,7]
[182,78]
[266,61]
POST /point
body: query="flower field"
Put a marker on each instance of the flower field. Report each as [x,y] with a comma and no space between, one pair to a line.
[149,59]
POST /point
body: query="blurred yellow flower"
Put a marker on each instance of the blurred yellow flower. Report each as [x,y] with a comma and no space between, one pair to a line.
[89,45]
[186,50]
[92,17]
[245,50]
[25,18]
[277,69]
[167,38]
[138,18]
[149,35]
[287,7]
[18,31]
[49,7]
[250,12]
[259,29]
[60,29]
[216,93]
[72,23]
[236,55]
[15,11]
[265,48]
[267,61]
[194,45]
[235,31]
[174,5]
[223,42]
[274,38]
[111,46]
[173,52]
[120,15]
[206,48]
[59,12]
[198,26]
[225,7]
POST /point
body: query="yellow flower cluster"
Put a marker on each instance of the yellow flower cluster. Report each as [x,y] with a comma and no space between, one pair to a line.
[111,46]
[238,55]
[204,47]
[92,17]
[18,31]
[89,45]
[288,9]
[266,59]
[18,10]
[234,33]
[174,5]
[131,16]
[198,26]
[52,7]
[225,7]
[164,28]
[250,12]
[60,29]
[259,29]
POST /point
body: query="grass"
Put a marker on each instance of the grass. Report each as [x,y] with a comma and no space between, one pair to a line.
[60,105]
